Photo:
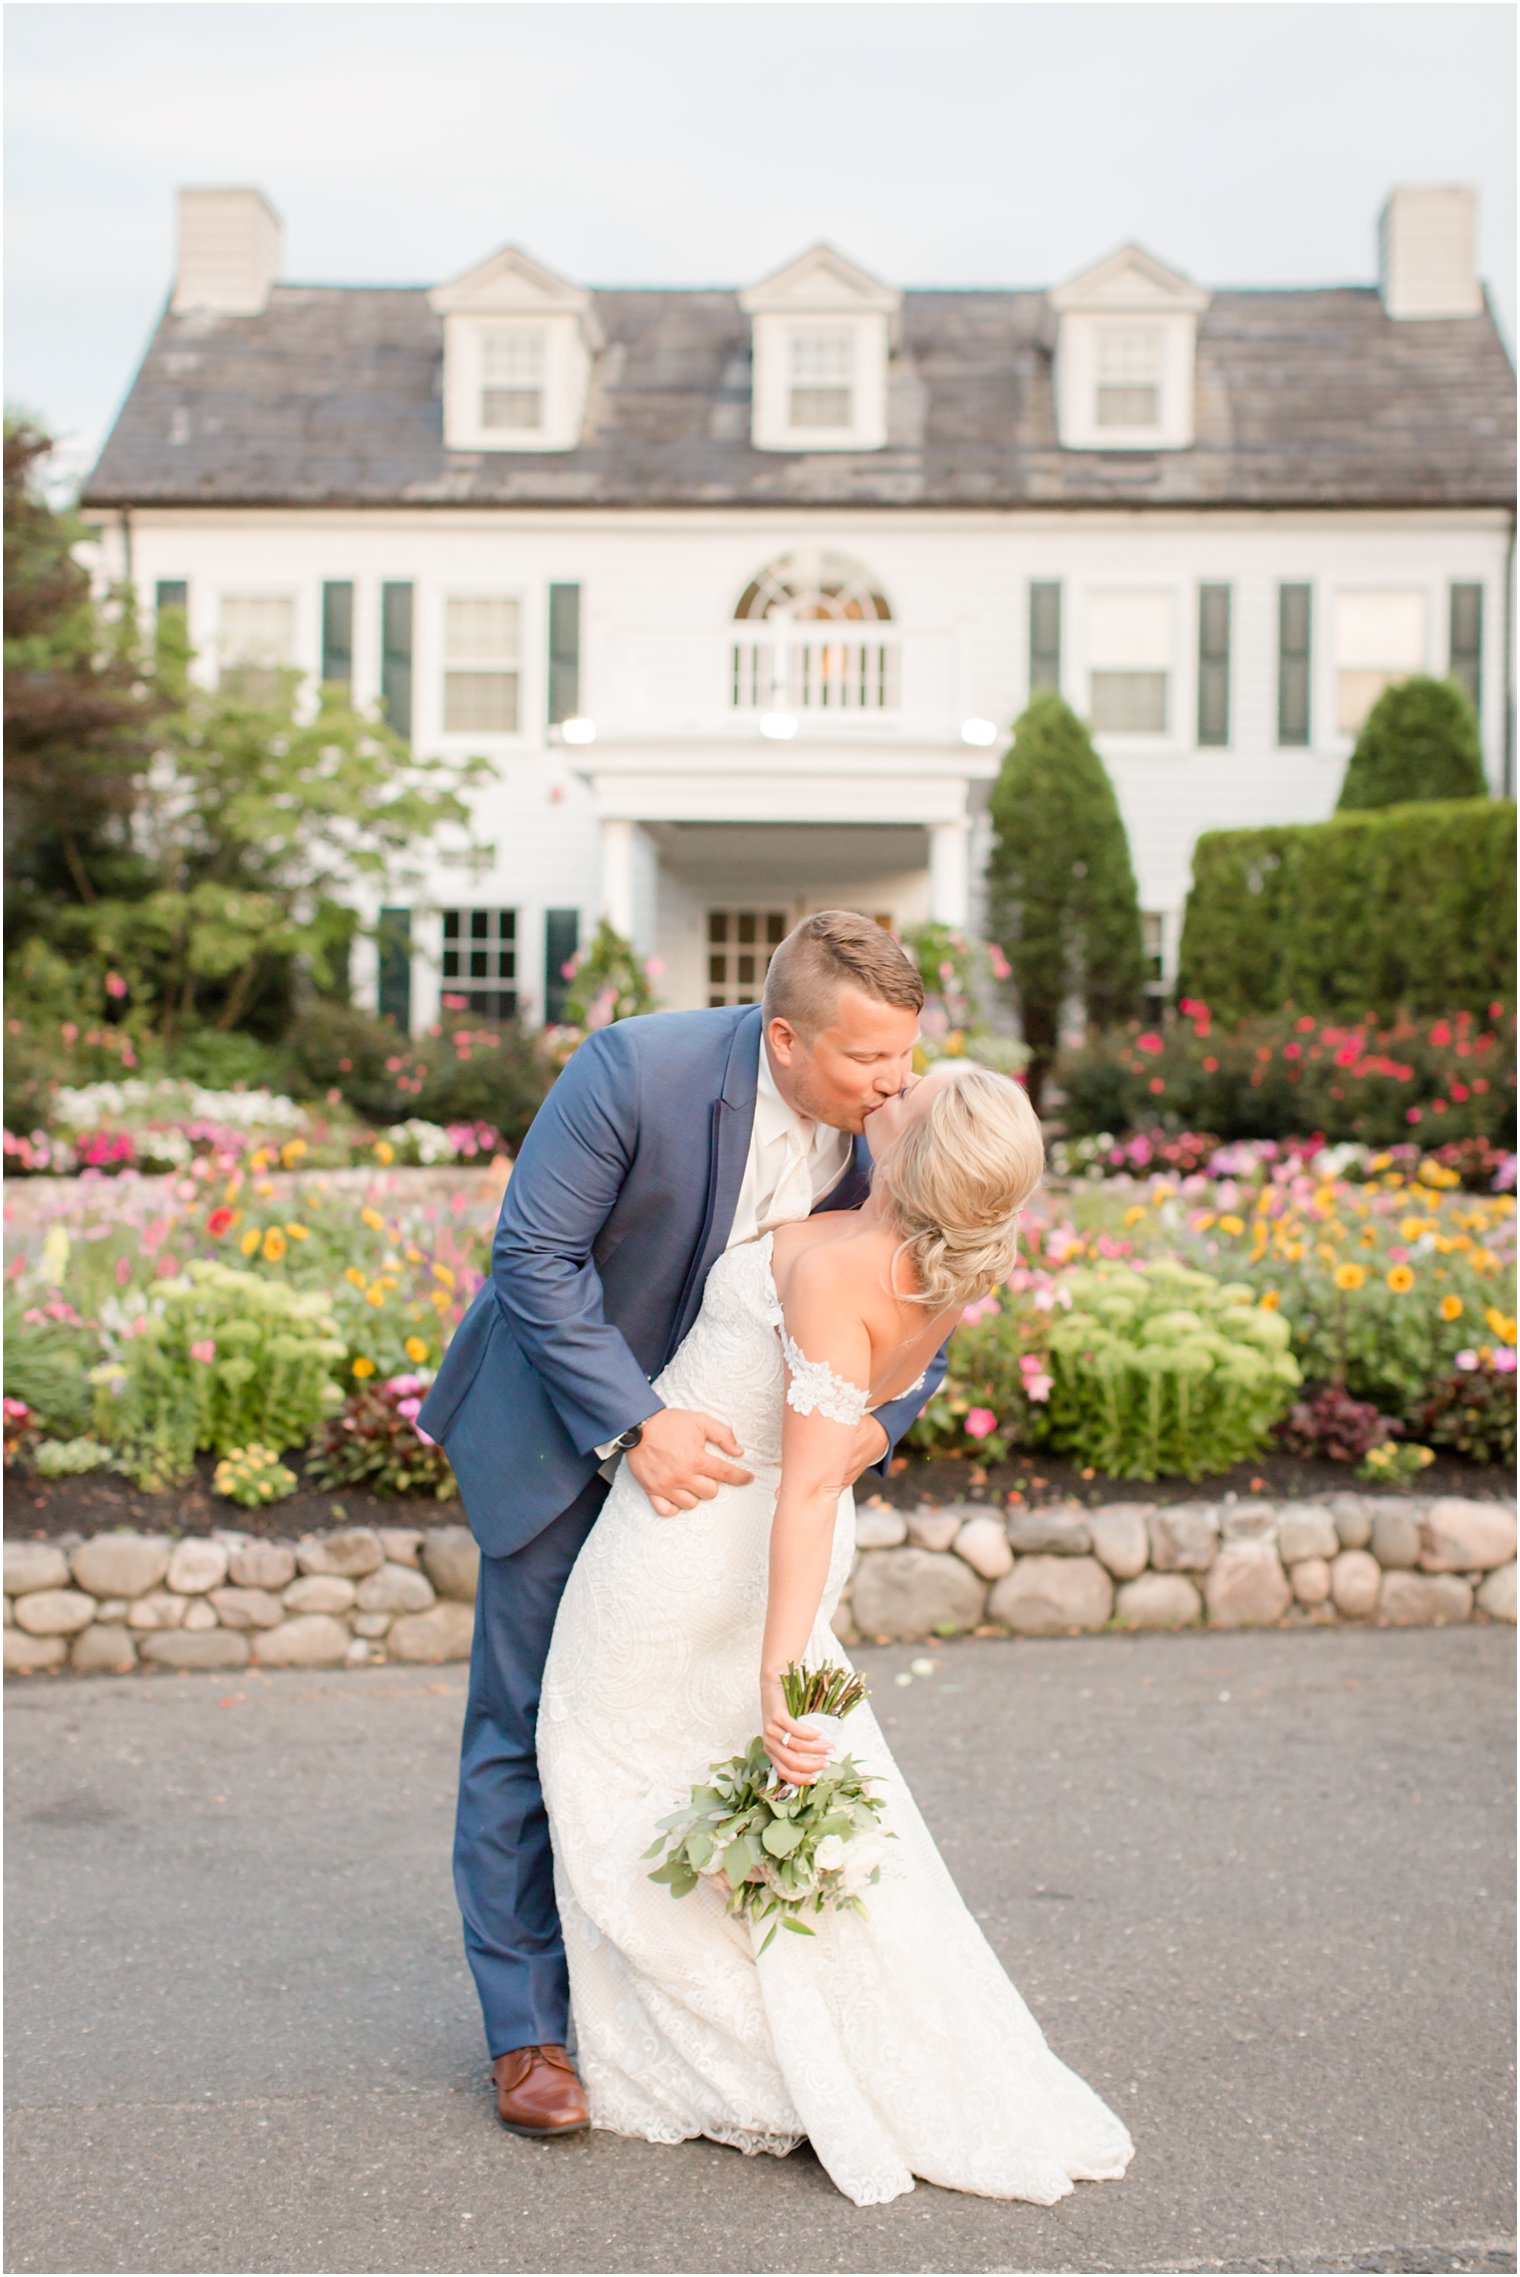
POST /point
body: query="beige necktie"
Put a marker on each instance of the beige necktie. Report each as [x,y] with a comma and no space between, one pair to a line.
[793,1197]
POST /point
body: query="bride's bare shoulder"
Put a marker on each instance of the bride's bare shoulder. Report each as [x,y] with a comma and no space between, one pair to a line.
[852,1271]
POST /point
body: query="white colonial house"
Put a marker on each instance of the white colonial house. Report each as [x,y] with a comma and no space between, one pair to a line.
[740,591]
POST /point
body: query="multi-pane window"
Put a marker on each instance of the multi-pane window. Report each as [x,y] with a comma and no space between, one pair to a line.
[740,945]
[512,378]
[256,643]
[1129,375]
[1129,658]
[1379,638]
[480,961]
[822,378]
[480,658]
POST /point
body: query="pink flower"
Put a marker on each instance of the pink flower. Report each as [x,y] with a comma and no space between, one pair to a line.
[423,1436]
[410,1408]
[453,1004]
[1467,1361]
[405,1385]
[1001,968]
[1038,1387]
[69,1032]
[981,1309]
[980,1422]
[1504,1359]
[204,1351]
[1149,1043]
[654,966]
[115,985]
[123,1271]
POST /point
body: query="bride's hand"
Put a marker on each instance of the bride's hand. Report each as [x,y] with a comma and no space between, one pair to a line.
[798,1752]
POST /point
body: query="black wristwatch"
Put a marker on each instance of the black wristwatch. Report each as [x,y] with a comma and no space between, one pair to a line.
[627,1439]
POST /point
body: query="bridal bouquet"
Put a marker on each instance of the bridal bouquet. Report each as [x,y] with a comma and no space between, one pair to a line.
[778,1851]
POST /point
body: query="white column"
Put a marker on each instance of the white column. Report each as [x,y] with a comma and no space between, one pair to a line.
[949,900]
[617,874]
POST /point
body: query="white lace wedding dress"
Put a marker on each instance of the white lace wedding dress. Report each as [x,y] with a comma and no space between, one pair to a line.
[896,2044]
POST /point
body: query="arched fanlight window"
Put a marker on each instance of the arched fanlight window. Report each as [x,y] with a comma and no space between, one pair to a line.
[810,586]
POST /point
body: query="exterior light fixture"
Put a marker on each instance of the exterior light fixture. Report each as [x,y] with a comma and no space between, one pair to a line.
[979,731]
[578,730]
[779,726]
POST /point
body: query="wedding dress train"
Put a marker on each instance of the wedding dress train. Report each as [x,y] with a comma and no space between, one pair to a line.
[895,2044]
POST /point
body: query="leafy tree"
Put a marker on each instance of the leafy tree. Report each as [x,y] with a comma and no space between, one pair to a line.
[79,712]
[260,823]
[1060,885]
[1419,741]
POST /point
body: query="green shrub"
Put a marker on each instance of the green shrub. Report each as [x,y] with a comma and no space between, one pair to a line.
[370,1443]
[1060,885]
[252,1476]
[339,1047]
[497,1074]
[231,1359]
[608,981]
[1164,1372]
[1287,1077]
[1472,1412]
[70,1458]
[47,1365]
[1319,913]
[1419,741]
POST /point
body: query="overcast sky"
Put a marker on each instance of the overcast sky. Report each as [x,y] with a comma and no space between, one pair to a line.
[706,143]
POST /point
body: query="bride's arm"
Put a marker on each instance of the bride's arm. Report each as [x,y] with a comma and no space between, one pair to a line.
[828,1378]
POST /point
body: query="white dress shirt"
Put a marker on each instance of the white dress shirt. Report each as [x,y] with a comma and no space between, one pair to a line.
[792,1163]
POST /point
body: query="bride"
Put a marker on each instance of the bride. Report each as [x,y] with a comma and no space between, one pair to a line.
[895,2044]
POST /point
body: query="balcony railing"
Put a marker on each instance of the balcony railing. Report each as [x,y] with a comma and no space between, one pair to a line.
[827,669]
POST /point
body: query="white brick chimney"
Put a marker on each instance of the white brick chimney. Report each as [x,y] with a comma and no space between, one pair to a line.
[229,251]
[1427,253]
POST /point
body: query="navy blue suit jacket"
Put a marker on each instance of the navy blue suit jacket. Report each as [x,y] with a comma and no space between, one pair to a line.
[621,1199]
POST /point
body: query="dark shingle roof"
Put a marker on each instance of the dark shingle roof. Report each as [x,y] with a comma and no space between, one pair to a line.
[333,396]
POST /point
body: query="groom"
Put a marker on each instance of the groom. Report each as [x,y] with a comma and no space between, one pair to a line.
[664,1142]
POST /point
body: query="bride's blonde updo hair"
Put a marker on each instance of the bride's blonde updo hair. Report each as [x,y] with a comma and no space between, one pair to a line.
[955,1181]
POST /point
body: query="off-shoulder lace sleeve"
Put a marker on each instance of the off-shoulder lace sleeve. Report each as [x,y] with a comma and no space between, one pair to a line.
[815,1388]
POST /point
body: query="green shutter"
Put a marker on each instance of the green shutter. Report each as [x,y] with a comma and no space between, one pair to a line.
[395,946]
[1294,616]
[1213,664]
[396,656]
[1044,637]
[1467,641]
[564,653]
[562,937]
[338,635]
[170,593]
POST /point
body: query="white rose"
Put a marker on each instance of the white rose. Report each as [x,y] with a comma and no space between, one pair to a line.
[829,1856]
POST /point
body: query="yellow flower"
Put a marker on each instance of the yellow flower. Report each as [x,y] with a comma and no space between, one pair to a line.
[1501,1327]
[375,1296]
[1293,1252]
[1349,1276]
[1451,1308]
[299,1232]
[1135,1213]
[1270,1300]
[1232,1224]
[1369,1237]
[441,1299]
[1325,1252]
[414,1257]
[250,1241]
[364,1368]
[1204,1220]
[443,1274]
[292,1151]
[373,1220]
[352,1273]
[1410,1229]
[264,1188]
[274,1245]
[1401,1280]
[415,1350]
[384,1151]
[259,1159]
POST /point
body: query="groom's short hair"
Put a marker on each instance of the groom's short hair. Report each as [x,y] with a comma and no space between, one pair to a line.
[835,949]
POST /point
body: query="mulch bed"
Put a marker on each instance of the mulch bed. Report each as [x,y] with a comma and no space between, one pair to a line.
[1034,1479]
[43,1509]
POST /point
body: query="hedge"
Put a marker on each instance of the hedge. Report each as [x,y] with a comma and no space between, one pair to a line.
[1402,907]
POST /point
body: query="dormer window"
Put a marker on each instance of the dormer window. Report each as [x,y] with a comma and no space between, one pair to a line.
[1125,354]
[513,369]
[1129,375]
[823,375]
[518,347]
[823,337]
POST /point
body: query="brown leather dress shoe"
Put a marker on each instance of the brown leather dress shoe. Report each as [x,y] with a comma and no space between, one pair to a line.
[537,2092]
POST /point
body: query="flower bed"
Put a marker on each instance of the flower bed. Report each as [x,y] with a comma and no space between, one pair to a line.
[166,1125]
[1379,1084]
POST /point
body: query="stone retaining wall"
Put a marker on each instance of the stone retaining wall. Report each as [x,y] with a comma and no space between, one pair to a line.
[122,1601]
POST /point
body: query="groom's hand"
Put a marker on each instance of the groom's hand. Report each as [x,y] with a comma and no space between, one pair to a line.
[676,1466]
